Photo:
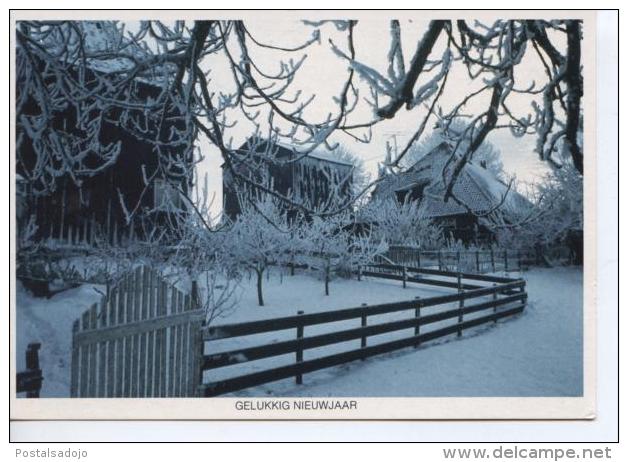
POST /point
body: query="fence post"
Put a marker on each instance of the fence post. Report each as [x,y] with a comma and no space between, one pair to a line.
[363,324]
[440,264]
[359,272]
[196,359]
[299,352]
[32,364]
[405,277]
[418,259]
[492,259]
[458,260]
[74,365]
[460,305]
[477,261]
[505,261]
[495,299]
[417,315]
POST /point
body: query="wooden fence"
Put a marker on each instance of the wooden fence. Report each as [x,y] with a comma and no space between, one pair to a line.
[503,294]
[141,340]
[477,261]
[453,280]
[145,339]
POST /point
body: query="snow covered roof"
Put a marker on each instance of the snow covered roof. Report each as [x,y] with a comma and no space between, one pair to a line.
[476,186]
[285,150]
[105,38]
[320,152]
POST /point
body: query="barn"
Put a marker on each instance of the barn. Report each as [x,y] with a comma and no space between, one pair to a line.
[477,187]
[317,179]
[97,205]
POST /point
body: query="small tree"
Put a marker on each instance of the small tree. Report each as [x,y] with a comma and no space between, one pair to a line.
[260,236]
[332,244]
[324,241]
[363,248]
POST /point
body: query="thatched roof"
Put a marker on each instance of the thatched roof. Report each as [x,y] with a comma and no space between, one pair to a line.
[479,189]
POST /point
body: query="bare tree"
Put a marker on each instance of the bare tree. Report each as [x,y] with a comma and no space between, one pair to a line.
[331,245]
[325,240]
[154,80]
[261,236]
[555,217]
[491,55]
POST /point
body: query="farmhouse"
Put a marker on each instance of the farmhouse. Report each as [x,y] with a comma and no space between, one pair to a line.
[479,189]
[144,179]
[317,179]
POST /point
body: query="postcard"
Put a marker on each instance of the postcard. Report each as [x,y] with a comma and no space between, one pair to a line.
[303,215]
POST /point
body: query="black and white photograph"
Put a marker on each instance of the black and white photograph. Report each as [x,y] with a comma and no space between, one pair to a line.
[303,208]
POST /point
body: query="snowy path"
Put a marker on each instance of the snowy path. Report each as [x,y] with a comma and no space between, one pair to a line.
[537,354]
[50,323]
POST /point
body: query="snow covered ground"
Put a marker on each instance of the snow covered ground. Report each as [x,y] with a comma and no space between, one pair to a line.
[539,353]
[49,321]
[536,354]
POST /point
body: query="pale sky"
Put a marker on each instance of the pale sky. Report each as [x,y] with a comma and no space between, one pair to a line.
[323,75]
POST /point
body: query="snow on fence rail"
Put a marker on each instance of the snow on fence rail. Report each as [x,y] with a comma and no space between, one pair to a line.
[142,340]
[503,292]
[145,339]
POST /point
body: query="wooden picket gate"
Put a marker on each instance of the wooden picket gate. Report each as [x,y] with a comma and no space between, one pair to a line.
[142,340]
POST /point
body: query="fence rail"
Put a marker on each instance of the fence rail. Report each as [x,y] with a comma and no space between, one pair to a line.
[504,292]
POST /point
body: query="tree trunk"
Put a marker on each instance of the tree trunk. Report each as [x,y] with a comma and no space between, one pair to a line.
[260,296]
[573,79]
[327,280]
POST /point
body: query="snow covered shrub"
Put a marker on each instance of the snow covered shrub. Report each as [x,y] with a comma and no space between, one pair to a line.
[47,277]
[402,223]
[333,248]
[215,289]
[362,250]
